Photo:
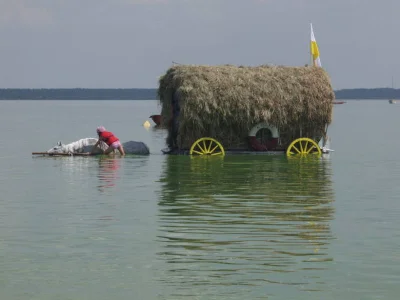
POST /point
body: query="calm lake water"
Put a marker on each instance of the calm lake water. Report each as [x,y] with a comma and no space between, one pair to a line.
[172,227]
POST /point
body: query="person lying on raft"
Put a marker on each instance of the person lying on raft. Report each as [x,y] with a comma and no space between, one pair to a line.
[110,139]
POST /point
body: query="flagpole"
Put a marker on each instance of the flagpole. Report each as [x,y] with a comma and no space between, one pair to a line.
[311,57]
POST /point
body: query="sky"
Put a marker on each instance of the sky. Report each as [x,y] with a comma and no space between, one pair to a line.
[131,43]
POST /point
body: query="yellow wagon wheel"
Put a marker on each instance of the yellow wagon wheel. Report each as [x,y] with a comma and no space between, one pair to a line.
[303,147]
[207,146]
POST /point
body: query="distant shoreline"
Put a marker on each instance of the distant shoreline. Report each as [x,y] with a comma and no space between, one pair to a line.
[151,94]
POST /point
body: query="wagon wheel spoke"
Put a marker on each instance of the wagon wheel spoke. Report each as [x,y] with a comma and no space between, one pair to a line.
[205,147]
[216,153]
[213,149]
[295,148]
[201,149]
[210,145]
[309,150]
[197,152]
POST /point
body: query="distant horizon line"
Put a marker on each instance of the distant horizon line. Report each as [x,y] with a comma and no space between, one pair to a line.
[80,88]
[152,93]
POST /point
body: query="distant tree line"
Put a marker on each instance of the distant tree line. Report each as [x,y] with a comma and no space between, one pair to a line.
[378,93]
[78,94]
[151,94]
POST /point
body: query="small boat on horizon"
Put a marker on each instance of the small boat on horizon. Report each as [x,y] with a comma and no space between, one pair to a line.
[339,102]
[392,101]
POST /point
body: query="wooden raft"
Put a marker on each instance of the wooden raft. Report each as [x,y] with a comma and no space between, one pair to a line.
[62,154]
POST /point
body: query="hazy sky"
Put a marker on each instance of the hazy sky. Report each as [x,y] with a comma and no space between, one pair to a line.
[130,43]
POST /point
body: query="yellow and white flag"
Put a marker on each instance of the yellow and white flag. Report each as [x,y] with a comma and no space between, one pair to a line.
[314,50]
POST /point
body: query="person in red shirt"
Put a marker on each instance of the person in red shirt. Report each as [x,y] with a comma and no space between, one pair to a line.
[110,139]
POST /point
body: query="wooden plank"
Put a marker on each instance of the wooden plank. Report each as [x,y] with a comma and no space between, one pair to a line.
[61,154]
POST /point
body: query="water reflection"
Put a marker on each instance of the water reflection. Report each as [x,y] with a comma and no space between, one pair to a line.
[108,172]
[258,224]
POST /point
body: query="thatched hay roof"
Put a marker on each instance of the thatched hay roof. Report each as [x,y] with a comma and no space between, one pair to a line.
[217,97]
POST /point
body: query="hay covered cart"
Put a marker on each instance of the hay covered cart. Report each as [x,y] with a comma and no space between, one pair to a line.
[213,110]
